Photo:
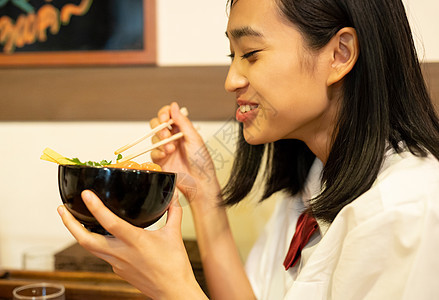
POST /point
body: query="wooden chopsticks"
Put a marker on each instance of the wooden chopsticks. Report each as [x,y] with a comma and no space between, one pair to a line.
[183,110]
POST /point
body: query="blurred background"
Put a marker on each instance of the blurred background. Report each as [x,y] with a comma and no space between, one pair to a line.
[189,34]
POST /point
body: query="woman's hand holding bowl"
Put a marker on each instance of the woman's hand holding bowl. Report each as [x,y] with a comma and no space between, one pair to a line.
[155,262]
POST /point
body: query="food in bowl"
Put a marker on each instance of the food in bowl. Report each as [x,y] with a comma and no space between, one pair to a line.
[129,164]
[53,156]
[139,196]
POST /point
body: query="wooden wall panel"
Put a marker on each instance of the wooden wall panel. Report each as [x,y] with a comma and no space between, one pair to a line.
[112,93]
[124,93]
[431,74]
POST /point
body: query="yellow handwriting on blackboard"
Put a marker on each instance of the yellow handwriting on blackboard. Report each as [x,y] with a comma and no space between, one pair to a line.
[31,27]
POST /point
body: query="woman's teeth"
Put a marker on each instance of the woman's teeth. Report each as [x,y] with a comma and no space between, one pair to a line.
[247,108]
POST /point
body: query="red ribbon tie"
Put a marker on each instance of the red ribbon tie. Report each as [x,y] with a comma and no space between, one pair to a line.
[305,228]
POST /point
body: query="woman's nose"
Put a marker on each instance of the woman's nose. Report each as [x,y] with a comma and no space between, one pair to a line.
[235,79]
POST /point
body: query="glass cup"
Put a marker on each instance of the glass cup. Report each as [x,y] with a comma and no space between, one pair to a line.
[39,259]
[39,291]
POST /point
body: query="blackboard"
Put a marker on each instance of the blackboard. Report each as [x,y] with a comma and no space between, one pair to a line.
[77,32]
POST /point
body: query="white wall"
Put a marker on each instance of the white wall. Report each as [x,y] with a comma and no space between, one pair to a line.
[29,194]
[424,20]
[191,32]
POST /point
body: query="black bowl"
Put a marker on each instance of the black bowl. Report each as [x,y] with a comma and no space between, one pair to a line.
[137,196]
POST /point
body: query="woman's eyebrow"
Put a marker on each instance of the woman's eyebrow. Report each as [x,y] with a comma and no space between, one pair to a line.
[244,31]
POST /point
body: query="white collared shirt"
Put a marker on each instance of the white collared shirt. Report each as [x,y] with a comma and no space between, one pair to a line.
[383,245]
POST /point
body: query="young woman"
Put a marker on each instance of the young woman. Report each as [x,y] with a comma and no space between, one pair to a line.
[333,106]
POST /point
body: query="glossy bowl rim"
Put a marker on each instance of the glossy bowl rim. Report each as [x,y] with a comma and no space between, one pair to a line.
[115,168]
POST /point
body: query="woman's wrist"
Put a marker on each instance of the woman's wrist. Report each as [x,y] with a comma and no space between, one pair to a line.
[189,289]
[202,193]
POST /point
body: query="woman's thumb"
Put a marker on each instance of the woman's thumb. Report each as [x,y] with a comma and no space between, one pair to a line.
[175,213]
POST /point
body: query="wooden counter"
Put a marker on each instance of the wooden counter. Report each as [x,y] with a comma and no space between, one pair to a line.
[87,277]
[79,285]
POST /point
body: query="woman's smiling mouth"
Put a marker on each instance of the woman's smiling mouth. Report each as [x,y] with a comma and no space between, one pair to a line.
[247,108]
[246,111]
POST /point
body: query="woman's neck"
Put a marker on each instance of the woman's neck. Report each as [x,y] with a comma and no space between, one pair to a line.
[320,139]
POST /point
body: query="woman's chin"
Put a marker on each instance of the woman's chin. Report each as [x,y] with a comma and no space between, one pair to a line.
[254,139]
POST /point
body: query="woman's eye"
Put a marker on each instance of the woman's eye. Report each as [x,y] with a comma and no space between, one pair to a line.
[249,54]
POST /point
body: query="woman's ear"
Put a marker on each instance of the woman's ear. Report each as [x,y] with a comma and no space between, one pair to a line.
[345,51]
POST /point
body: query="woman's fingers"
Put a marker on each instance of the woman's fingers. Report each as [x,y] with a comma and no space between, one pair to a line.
[163,114]
[97,244]
[82,235]
[157,155]
[164,133]
[163,117]
[180,120]
[107,219]
[185,125]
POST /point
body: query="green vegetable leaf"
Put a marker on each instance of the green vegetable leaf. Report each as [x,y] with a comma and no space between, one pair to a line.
[76,161]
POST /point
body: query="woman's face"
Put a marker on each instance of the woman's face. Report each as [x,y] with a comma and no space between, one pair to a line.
[280,86]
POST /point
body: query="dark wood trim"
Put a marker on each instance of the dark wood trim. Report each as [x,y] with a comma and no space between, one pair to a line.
[148,55]
[124,93]
[112,93]
[431,74]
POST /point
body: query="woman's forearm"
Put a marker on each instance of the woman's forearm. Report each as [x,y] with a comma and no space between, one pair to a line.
[223,268]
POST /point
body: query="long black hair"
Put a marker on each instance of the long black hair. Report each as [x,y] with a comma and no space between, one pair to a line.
[385,102]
